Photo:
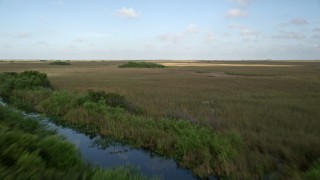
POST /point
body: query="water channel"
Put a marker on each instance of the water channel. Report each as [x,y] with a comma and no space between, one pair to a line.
[96,152]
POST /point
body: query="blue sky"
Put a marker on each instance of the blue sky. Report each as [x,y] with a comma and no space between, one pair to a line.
[163,29]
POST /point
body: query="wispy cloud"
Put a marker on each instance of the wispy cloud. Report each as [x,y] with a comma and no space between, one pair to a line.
[249,32]
[316,30]
[96,35]
[172,37]
[236,13]
[177,37]
[43,43]
[7,46]
[242,2]
[22,35]
[289,35]
[127,13]
[236,26]
[299,21]
[296,22]
[249,35]
[60,2]
[191,28]
[316,36]
[78,40]
[211,37]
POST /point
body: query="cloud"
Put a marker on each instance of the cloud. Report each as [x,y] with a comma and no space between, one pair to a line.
[299,21]
[191,28]
[296,22]
[7,46]
[242,2]
[43,43]
[315,36]
[22,35]
[127,13]
[236,26]
[174,38]
[289,35]
[236,13]
[316,30]
[248,32]
[96,35]
[78,40]
[249,35]
[211,37]
[60,3]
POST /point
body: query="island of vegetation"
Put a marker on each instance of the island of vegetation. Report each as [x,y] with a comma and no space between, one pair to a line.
[59,63]
[141,65]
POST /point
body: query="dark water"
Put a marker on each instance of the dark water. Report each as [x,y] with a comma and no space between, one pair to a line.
[117,155]
[94,152]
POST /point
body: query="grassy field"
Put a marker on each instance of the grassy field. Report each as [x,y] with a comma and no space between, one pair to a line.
[275,106]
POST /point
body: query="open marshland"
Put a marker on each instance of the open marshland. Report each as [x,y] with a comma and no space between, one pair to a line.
[271,106]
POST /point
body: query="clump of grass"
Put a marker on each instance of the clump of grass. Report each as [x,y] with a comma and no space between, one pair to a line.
[59,63]
[141,65]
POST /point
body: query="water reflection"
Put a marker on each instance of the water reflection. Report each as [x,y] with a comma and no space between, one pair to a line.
[107,153]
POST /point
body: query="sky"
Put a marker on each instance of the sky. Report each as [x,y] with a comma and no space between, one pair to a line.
[162,29]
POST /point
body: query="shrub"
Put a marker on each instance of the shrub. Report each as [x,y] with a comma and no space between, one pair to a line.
[59,63]
[141,65]
[114,100]
[27,80]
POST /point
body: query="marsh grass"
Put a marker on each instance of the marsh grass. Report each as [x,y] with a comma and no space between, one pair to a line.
[276,111]
[107,114]
[195,147]
[30,151]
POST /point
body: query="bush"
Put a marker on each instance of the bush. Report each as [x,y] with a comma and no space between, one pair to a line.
[59,63]
[27,80]
[141,65]
[114,100]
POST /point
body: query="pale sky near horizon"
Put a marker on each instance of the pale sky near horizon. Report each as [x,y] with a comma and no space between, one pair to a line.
[163,29]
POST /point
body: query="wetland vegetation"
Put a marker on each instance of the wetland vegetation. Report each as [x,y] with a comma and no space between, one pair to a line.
[28,150]
[59,63]
[248,121]
[133,64]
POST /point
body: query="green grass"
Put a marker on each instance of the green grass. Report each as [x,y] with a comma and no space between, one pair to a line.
[29,151]
[141,65]
[276,111]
